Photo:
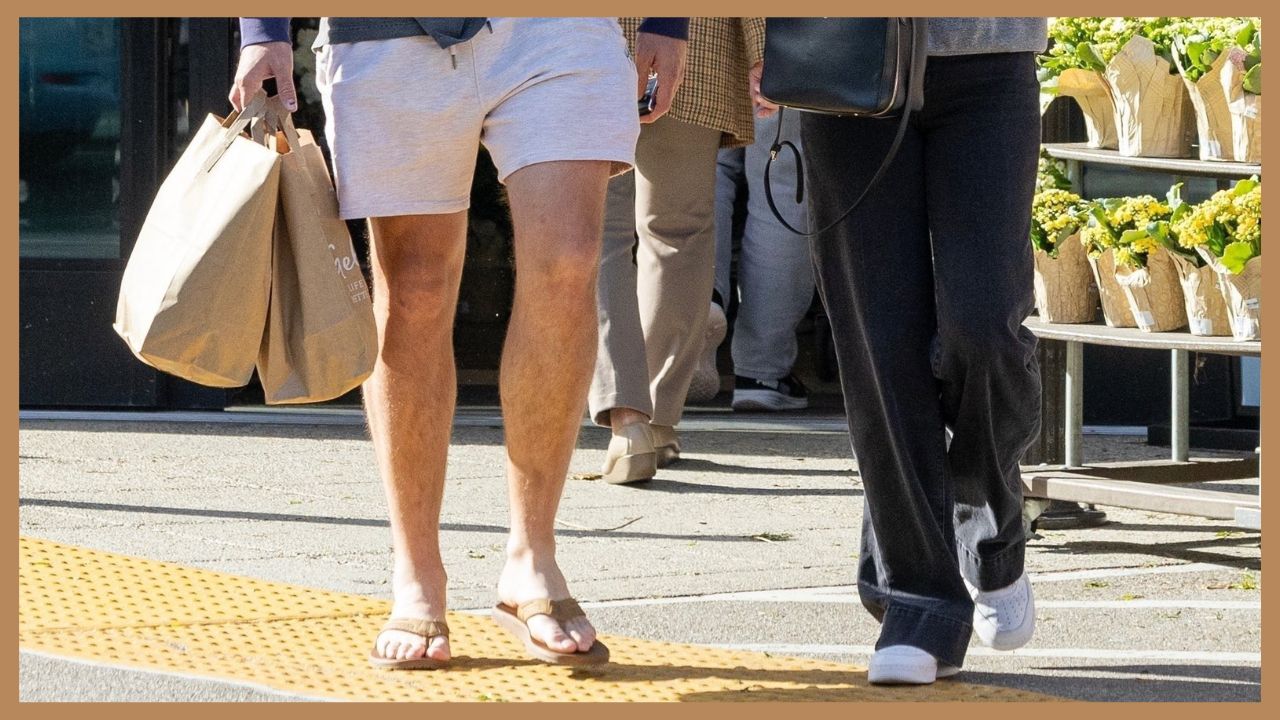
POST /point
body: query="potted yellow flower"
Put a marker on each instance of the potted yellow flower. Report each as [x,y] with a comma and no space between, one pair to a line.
[1203,50]
[1226,230]
[1154,116]
[1142,270]
[1064,288]
[1079,52]
[1206,308]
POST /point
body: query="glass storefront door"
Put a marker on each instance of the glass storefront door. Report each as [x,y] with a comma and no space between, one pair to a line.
[103,105]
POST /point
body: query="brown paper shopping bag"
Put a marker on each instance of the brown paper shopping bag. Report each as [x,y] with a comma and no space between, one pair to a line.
[321,340]
[193,300]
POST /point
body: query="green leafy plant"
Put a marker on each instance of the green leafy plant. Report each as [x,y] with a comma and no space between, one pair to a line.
[1089,43]
[1051,174]
[1228,225]
[1163,230]
[1122,225]
[1085,43]
[1055,216]
[1199,42]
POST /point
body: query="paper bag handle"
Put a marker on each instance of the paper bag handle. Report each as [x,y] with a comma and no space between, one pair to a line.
[234,124]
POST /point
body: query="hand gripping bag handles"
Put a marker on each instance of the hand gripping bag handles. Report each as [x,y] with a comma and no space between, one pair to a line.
[856,67]
[321,340]
[193,299]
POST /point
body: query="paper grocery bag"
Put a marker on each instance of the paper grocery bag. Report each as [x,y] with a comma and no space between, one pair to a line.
[321,340]
[193,300]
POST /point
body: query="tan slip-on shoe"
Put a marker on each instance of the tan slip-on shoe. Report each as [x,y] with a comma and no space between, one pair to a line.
[666,444]
[631,456]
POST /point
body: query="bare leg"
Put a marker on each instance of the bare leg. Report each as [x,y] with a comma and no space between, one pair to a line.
[550,352]
[409,400]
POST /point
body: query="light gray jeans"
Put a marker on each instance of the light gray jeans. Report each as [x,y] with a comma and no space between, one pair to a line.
[775,274]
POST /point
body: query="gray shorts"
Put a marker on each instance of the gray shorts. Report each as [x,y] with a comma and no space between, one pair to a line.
[404,124]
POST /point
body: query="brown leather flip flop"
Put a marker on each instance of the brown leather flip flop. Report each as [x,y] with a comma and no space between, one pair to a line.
[515,620]
[426,629]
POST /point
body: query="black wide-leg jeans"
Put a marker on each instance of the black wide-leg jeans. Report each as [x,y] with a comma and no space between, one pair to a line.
[926,286]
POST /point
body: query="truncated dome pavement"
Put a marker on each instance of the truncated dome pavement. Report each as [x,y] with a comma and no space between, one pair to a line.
[131,612]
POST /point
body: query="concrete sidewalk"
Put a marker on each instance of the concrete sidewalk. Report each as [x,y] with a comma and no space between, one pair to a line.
[748,543]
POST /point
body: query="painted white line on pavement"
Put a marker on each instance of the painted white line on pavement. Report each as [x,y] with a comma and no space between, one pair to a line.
[1142,603]
[852,599]
[1072,653]
[848,593]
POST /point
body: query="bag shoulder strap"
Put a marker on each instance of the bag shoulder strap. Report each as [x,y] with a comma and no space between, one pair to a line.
[915,100]
[779,144]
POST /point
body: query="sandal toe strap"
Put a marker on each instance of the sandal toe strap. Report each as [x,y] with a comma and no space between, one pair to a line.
[425,628]
[559,610]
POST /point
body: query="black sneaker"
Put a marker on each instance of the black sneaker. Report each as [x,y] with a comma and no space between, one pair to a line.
[770,395]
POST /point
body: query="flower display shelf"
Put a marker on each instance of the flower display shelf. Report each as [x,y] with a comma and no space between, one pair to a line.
[1158,486]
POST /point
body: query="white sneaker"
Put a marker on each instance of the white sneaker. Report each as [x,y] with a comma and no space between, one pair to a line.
[1004,619]
[906,665]
[705,383]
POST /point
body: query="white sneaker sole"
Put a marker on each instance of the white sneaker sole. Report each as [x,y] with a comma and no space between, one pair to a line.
[768,400]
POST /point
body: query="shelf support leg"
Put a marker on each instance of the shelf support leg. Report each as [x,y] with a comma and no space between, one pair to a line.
[1074,406]
[1180,410]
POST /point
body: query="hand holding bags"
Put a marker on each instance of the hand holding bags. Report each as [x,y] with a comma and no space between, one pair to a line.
[193,300]
[224,277]
[321,340]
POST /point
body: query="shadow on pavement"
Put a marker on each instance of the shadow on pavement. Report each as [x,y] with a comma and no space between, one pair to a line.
[682,487]
[1188,551]
[1247,685]
[355,522]
[700,465]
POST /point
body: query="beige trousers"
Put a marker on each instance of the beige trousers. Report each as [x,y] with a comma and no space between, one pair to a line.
[657,269]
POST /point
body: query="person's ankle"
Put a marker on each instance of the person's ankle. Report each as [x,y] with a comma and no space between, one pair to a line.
[530,552]
[622,417]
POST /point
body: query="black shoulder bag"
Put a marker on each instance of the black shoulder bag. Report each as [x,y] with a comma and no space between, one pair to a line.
[858,67]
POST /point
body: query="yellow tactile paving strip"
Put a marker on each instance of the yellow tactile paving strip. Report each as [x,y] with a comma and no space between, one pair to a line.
[141,613]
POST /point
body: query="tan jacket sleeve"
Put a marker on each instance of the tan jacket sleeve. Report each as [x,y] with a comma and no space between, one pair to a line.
[753,39]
